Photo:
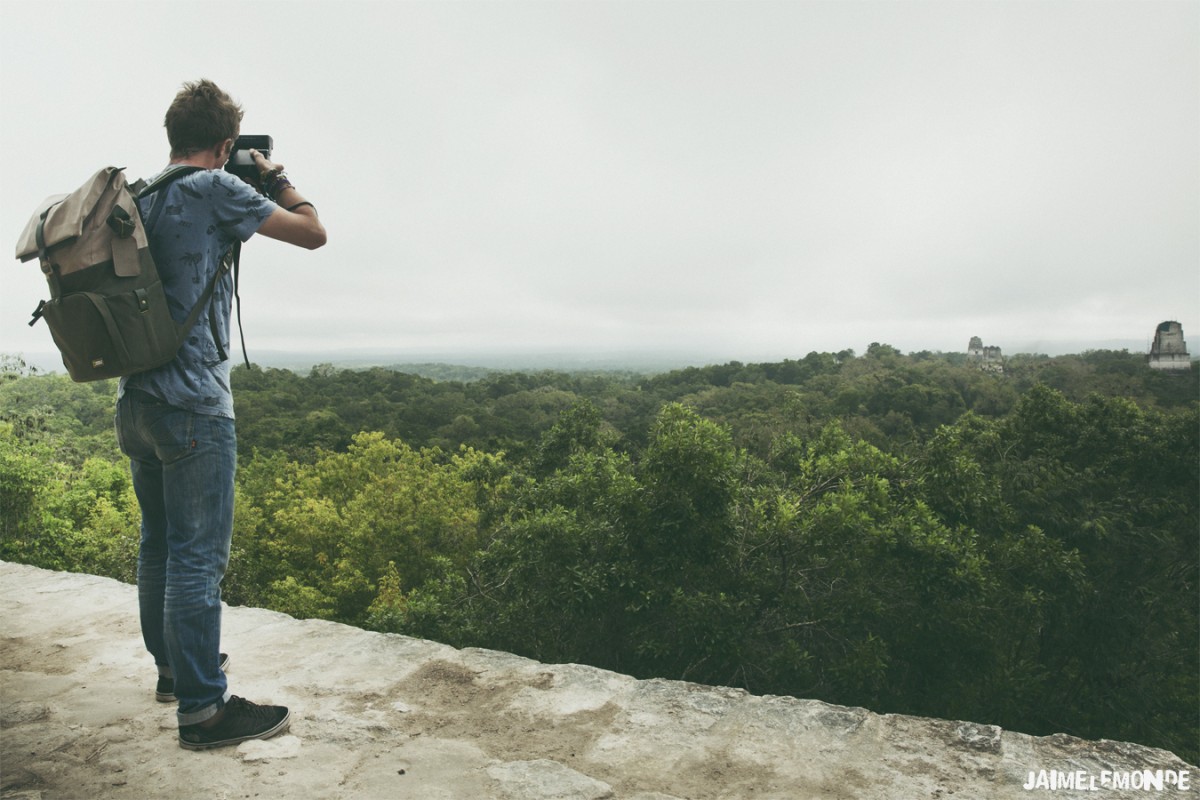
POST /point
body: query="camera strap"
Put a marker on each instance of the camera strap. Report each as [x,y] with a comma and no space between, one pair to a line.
[231,262]
[237,261]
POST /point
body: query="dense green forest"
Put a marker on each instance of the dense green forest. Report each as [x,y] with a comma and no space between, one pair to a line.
[903,532]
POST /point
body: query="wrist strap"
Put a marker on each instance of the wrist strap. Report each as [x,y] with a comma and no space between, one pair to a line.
[274,182]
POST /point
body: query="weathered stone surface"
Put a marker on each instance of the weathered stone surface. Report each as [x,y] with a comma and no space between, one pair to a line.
[384,716]
[546,780]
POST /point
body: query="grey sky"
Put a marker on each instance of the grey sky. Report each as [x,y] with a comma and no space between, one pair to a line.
[751,180]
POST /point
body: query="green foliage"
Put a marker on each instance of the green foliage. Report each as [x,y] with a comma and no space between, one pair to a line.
[99,505]
[74,421]
[57,516]
[333,528]
[28,479]
[906,533]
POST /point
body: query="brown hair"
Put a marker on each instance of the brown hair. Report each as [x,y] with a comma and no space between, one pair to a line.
[200,117]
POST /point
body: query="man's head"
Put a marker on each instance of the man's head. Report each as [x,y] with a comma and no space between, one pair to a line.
[201,117]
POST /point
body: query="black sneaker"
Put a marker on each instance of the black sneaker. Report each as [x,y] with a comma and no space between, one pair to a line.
[243,720]
[164,692]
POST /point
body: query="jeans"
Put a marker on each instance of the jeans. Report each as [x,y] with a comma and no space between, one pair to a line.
[183,467]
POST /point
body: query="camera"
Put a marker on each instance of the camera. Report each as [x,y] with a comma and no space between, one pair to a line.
[240,163]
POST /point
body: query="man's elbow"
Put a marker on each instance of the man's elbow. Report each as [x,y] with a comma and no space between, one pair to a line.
[301,230]
[315,238]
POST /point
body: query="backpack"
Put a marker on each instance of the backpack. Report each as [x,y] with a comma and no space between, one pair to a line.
[107,310]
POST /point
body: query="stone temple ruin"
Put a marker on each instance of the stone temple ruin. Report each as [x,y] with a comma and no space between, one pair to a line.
[1169,351]
[988,359]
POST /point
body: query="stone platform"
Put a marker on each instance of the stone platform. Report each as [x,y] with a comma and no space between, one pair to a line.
[386,716]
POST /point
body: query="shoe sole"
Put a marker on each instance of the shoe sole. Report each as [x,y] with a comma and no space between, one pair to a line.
[283,725]
[169,697]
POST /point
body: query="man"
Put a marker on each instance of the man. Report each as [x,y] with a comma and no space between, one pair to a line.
[176,422]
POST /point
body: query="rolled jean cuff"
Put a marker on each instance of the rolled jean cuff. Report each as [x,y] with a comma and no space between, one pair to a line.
[208,712]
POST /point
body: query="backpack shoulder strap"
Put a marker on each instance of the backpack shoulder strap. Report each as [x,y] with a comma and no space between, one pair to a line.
[232,263]
[205,301]
[165,179]
[145,190]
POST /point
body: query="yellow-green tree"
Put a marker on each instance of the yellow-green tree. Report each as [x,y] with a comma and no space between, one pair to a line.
[321,536]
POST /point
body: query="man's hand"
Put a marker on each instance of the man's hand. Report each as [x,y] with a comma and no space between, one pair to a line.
[295,221]
[264,166]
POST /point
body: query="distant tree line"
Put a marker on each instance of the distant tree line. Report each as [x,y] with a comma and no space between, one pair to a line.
[901,532]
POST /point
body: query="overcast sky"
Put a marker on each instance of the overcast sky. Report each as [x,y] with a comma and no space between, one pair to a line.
[741,180]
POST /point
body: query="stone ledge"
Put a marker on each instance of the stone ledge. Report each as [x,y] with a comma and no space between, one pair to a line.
[387,716]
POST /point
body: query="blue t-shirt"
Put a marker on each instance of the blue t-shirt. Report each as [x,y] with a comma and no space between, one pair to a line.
[204,213]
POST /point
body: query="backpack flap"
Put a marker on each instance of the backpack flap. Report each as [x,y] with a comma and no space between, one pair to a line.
[97,223]
[27,246]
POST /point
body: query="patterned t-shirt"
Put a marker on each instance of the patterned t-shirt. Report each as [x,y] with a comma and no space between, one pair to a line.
[204,213]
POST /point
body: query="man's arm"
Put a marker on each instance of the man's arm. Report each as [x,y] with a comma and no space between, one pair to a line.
[300,225]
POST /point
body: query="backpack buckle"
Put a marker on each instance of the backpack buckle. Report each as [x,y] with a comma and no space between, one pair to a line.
[120,222]
[37,313]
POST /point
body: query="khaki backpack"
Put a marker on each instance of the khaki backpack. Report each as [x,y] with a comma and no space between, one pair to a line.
[107,311]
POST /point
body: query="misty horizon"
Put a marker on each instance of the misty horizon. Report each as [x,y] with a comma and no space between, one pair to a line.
[721,180]
[647,359]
